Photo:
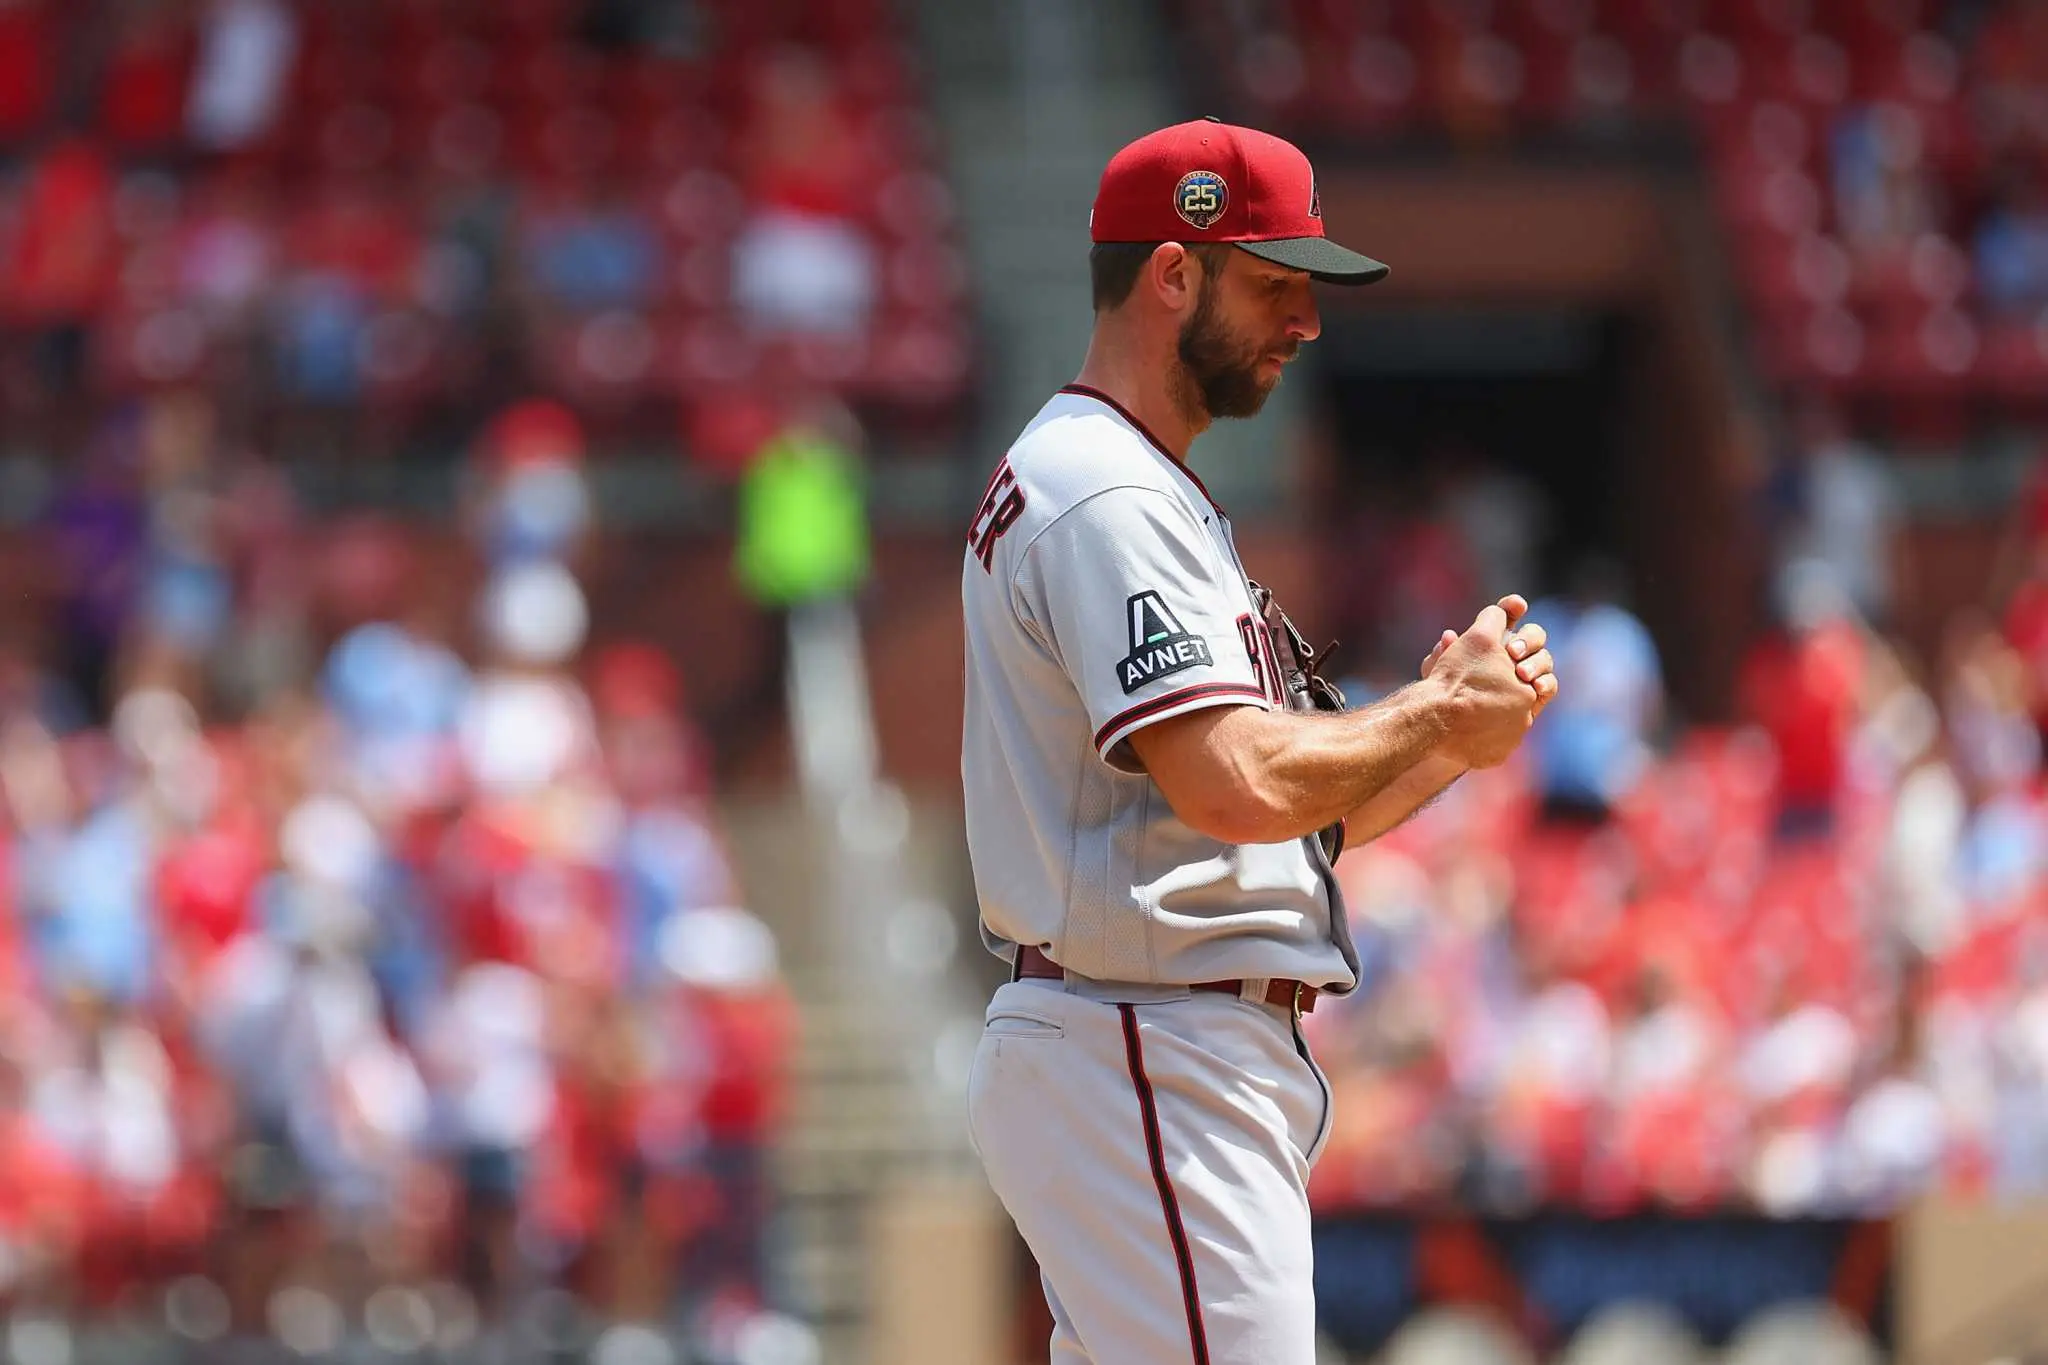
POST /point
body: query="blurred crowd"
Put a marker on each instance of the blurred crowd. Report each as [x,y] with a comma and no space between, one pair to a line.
[1797,964]
[388,217]
[410,956]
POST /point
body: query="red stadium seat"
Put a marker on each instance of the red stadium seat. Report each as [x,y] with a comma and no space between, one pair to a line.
[565,141]
[927,277]
[606,361]
[1930,351]
[160,348]
[917,362]
[671,141]
[1819,348]
[1931,271]
[402,352]
[28,33]
[1712,76]
[1375,83]
[550,76]
[700,205]
[2013,372]
[1917,69]
[1781,202]
[704,354]
[696,277]
[464,142]
[355,139]
[914,205]
[449,72]
[1810,271]
[1808,69]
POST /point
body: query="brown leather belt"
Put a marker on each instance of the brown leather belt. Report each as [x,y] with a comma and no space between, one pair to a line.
[1034,965]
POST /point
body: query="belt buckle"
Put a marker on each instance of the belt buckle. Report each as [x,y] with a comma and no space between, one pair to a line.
[1295,1003]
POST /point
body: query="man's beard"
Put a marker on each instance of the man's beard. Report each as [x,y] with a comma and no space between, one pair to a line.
[1219,372]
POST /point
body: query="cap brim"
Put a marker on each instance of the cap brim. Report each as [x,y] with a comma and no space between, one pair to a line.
[1322,258]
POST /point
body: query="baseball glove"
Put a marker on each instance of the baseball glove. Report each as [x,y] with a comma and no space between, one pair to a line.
[1306,687]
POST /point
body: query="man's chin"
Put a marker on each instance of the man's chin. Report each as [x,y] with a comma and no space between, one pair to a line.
[1246,402]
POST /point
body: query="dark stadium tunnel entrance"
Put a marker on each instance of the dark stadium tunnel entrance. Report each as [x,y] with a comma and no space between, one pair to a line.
[1422,403]
[1463,452]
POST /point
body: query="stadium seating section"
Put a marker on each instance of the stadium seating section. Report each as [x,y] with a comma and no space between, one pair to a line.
[470,197]
[1864,153]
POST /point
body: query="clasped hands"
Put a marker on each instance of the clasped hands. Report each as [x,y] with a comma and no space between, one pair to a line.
[1495,679]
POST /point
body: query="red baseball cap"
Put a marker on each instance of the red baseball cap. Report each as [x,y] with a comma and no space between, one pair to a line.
[1210,181]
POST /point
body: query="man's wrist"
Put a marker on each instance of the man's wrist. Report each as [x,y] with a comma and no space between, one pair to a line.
[1437,708]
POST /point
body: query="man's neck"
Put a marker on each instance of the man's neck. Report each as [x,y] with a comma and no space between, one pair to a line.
[1145,391]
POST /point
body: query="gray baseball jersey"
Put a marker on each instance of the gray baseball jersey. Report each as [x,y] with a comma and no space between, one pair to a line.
[1102,593]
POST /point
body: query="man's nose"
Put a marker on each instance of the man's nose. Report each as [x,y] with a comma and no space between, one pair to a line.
[1304,323]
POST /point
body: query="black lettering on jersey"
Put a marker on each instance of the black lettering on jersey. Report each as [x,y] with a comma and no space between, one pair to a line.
[1000,507]
[1160,646]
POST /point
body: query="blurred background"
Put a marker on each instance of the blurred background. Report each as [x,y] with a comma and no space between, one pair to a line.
[481,485]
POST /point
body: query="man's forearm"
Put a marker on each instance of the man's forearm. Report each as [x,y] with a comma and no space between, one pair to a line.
[1315,769]
[1401,798]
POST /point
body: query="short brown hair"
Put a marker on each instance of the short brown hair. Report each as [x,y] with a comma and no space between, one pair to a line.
[1113,267]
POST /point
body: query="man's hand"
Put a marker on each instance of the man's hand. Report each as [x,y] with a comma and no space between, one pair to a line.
[1528,646]
[1497,682]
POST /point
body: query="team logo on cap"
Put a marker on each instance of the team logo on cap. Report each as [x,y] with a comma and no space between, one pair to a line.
[1200,198]
[1315,198]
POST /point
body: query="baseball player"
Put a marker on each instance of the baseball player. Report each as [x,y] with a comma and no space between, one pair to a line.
[1154,796]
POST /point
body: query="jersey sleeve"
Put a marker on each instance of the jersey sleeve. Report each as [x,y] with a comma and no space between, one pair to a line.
[1129,592]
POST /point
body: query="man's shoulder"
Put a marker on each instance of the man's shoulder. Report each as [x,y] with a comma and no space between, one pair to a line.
[1073,452]
[1074,455]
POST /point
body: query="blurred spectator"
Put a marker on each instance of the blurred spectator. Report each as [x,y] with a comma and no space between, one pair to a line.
[84,867]
[1984,704]
[2019,585]
[2011,243]
[2010,80]
[61,263]
[1594,744]
[732,1024]
[240,76]
[146,67]
[1803,685]
[799,272]
[98,539]
[803,534]
[586,251]
[527,726]
[528,495]
[27,37]
[801,143]
[186,593]
[802,262]
[398,693]
[269,647]
[348,251]
[1884,196]
[1838,508]
[227,252]
[669,856]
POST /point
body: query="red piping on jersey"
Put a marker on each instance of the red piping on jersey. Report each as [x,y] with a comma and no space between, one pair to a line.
[1158,704]
[1120,410]
[1155,1151]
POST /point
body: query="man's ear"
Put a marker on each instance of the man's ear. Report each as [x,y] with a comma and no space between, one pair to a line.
[1175,276]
